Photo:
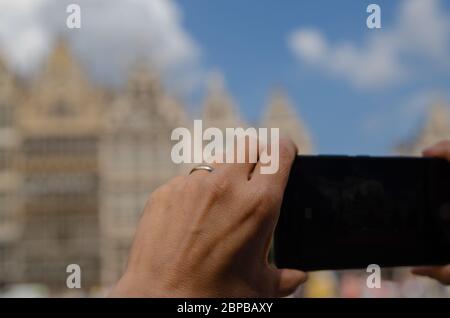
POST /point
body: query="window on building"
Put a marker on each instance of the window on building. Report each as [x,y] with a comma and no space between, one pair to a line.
[60,145]
[5,116]
[61,184]
[5,159]
[4,207]
[62,109]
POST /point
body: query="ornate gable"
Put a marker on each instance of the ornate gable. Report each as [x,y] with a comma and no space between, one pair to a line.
[281,114]
[60,99]
[219,109]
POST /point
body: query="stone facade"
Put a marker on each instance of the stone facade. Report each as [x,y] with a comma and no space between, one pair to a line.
[59,122]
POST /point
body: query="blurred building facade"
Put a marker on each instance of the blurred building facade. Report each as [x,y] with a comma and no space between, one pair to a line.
[78,162]
[59,122]
[10,227]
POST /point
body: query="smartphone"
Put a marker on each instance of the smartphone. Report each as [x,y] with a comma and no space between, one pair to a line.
[343,212]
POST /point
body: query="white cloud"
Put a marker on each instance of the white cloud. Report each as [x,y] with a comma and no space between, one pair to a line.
[22,40]
[420,34]
[309,44]
[113,35]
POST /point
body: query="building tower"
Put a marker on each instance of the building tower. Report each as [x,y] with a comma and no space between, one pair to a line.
[436,127]
[281,114]
[135,159]
[219,109]
[59,122]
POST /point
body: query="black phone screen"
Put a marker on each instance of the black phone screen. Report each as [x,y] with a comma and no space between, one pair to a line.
[348,212]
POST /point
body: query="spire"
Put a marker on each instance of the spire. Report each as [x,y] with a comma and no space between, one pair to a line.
[438,121]
[281,114]
[219,109]
[62,66]
[60,100]
[280,108]
[435,127]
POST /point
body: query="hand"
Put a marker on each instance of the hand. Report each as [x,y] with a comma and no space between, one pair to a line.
[440,273]
[208,234]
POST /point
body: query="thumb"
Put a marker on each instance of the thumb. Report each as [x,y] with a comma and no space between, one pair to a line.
[287,281]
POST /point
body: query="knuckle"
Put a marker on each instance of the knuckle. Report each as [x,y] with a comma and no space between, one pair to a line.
[287,150]
[193,185]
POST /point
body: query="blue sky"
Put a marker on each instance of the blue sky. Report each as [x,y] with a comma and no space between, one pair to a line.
[360,91]
[248,42]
